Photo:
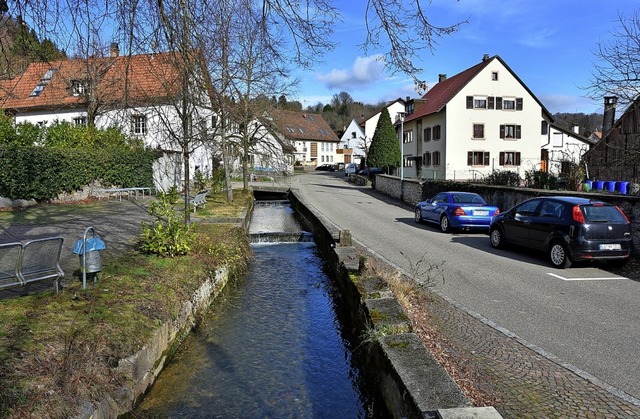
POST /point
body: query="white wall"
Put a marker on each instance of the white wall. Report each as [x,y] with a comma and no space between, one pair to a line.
[562,147]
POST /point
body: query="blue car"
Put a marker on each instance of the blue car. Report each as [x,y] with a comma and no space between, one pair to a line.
[456,210]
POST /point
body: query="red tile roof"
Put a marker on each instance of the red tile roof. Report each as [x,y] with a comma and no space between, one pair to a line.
[302,126]
[151,78]
[439,95]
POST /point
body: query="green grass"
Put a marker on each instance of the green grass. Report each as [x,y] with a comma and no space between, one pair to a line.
[72,341]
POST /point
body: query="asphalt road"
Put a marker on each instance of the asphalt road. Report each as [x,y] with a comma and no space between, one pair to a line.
[583,317]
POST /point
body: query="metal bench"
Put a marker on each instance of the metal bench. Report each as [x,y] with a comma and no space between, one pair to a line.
[199,200]
[35,260]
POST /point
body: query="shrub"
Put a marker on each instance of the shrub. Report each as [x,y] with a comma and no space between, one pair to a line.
[168,235]
[503,178]
[537,179]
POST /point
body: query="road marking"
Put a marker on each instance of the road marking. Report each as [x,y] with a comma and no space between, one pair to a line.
[587,278]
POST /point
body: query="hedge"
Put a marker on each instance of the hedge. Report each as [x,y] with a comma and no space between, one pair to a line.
[42,173]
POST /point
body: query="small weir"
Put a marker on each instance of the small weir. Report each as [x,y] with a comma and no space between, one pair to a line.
[272,345]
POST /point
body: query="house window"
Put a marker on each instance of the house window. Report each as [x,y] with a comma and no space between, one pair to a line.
[510,132]
[509,158]
[427,134]
[80,87]
[426,159]
[494,76]
[407,137]
[407,162]
[476,102]
[478,158]
[436,133]
[479,103]
[409,107]
[435,158]
[478,131]
[508,104]
[139,124]
[544,128]
[80,121]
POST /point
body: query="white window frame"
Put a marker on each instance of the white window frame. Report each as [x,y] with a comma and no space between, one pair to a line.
[139,124]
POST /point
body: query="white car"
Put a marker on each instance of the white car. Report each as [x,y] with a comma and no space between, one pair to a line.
[350,169]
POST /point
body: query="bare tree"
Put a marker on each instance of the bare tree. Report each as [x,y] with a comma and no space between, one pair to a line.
[617,70]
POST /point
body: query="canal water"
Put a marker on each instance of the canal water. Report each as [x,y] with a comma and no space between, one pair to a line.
[272,345]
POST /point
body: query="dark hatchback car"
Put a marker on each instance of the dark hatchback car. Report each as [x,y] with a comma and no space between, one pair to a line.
[568,229]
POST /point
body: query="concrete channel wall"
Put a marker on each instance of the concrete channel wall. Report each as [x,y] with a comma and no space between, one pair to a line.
[410,380]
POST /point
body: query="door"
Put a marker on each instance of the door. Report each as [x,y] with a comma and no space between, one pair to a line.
[517,224]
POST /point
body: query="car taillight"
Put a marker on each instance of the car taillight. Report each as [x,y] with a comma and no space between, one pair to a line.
[459,211]
[578,216]
[497,211]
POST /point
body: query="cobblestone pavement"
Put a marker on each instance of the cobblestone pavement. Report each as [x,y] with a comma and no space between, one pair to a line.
[528,384]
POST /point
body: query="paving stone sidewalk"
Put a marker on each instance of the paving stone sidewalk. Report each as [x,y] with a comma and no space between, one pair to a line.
[527,384]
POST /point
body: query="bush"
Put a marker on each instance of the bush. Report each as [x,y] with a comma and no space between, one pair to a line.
[503,178]
[537,179]
[169,235]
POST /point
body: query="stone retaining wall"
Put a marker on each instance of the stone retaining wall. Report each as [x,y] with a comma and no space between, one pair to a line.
[504,197]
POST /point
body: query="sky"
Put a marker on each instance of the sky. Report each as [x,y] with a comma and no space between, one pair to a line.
[549,44]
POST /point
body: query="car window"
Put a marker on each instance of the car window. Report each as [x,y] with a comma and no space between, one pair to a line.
[467,198]
[527,208]
[440,198]
[602,214]
[551,209]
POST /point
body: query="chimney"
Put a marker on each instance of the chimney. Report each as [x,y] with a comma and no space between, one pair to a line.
[485,57]
[114,50]
[609,114]
[441,77]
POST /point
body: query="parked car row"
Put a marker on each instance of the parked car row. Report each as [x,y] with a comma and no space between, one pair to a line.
[567,229]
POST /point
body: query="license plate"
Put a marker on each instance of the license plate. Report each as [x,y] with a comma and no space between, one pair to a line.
[481,213]
[610,246]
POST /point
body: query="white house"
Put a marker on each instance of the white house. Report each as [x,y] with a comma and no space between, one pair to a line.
[139,94]
[311,137]
[351,140]
[466,126]
[561,146]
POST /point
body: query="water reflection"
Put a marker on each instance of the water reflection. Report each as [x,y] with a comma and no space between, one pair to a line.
[271,348]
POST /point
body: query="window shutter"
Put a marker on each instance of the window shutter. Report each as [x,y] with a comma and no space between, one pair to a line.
[469,102]
[498,103]
[544,128]
[518,131]
[518,104]
[469,158]
[490,102]
[502,158]
[501,131]
[427,134]
[518,158]
[486,158]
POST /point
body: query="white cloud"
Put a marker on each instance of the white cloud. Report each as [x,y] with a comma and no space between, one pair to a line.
[363,72]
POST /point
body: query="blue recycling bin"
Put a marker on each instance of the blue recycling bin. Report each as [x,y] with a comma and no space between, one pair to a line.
[91,262]
[610,186]
[598,185]
[622,187]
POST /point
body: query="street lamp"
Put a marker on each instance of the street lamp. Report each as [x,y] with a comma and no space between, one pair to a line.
[401,117]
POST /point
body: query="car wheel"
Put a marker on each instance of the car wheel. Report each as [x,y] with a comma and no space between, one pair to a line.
[444,224]
[559,255]
[418,217]
[496,238]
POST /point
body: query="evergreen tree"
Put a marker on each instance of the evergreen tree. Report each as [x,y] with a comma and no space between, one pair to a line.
[384,151]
